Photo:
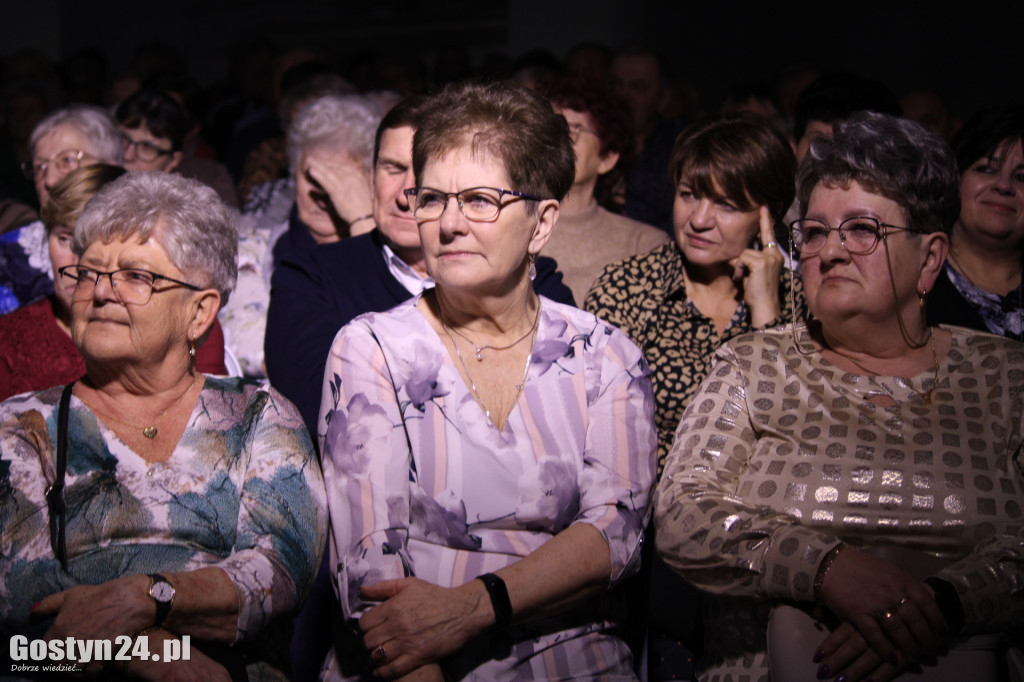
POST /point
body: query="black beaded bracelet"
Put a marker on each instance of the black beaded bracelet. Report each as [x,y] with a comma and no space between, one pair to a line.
[949,603]
[500,602]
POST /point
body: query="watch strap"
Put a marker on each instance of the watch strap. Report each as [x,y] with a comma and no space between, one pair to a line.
[162,607]
[500,601]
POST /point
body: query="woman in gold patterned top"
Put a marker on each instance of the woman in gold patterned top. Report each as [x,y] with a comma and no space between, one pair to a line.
[809,452]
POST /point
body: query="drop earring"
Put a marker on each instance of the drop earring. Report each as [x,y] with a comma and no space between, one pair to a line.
[533,267]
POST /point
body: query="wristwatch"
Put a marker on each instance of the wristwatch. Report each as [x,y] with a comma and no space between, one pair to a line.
[161,591]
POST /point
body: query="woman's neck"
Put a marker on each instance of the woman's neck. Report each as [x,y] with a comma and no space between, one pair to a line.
[488,319]
[994,271]
[62,315]
[579,200]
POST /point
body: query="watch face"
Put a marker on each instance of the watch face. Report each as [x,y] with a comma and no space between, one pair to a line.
[162,591]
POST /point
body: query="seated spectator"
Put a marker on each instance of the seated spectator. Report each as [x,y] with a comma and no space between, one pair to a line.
[642,77]
[177,504]
[980,286]
[36,350]
[300,85]
[320,290]
[78,135]
[330,150]
[155,127]
[865,466]
[833,98]
[485,500]
[589,236]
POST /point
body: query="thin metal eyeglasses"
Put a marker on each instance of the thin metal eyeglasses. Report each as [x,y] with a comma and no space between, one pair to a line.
[480,204]
[577,129]
[144,151]
[65,161]
[859,234]
[130,285]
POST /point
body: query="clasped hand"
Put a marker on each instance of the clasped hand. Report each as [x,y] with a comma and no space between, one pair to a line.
[420,623]
[890,619]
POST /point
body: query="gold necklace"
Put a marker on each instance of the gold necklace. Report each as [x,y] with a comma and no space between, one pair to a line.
[465,368]
[151,431]
[926,396]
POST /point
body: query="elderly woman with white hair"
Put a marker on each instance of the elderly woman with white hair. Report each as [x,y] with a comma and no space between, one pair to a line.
[69,138]
[147,500]
[330,151]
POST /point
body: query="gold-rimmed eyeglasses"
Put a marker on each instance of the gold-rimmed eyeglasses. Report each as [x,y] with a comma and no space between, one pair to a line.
[859,235]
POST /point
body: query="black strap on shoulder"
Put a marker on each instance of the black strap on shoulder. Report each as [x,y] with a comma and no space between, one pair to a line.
[55,492]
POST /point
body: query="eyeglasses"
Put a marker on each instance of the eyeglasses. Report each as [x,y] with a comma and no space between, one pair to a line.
[577,129]
[481,204]
[859,235]
[65,161]
[144,151]
[130,285]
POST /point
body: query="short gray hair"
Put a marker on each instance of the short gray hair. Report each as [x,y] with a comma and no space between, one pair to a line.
[340,122]
[184,216]
[893,157]
[96,124]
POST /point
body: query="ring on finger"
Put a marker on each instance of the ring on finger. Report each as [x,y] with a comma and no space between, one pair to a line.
[902,602]
[885,616]
[771,245]
[379,655]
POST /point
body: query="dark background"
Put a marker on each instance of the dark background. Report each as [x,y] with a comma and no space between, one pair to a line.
[970,53]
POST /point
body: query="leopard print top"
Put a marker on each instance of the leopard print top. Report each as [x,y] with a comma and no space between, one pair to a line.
[645,296]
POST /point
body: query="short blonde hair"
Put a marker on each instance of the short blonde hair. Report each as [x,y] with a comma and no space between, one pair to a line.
[69,196]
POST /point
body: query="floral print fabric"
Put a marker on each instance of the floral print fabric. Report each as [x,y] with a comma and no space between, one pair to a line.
[422,483]
[242,492]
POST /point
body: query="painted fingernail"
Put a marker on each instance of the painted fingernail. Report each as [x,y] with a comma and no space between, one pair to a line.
[823,672]
[818,655]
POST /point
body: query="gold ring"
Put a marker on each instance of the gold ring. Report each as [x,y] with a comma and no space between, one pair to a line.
[902,602]
[771,245]
[379,655]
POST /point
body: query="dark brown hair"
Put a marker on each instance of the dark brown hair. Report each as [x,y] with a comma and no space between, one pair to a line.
[739,159]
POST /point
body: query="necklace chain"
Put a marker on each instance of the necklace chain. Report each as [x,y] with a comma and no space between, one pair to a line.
[151,431]
[480,349]
[926,396]
[465,368]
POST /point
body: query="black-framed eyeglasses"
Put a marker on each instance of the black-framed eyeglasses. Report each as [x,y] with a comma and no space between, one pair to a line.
[481,204]
[65,161]
[144,150]
[130,285]
[859,234]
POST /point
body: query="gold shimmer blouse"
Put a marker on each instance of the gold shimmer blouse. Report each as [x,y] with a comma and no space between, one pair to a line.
[781,455]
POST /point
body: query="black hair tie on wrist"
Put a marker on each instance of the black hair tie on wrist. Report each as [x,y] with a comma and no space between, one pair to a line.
[500,602]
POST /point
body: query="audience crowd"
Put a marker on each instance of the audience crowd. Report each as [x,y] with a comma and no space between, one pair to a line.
[348,370]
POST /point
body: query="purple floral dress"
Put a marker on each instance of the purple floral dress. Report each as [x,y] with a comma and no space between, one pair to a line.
[420,482]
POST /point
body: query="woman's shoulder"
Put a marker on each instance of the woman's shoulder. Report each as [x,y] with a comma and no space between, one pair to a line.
[985,344]
[568,325]
[650,266]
